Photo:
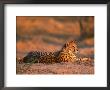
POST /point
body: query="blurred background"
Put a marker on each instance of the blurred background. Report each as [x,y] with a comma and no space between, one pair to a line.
[50,33]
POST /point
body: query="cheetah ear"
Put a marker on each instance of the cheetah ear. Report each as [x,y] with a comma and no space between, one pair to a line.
[66,45]
[72,41]
[75,41]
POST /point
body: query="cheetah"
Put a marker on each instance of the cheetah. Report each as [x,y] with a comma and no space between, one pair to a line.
[66,54]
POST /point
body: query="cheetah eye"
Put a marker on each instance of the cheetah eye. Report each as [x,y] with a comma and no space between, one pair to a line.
[73,46]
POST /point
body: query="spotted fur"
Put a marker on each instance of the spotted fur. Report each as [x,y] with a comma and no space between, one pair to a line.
[68,52]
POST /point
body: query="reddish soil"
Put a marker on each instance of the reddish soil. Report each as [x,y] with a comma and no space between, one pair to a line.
[57,68]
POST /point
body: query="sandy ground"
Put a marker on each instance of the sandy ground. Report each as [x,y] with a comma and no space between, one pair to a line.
[57,68]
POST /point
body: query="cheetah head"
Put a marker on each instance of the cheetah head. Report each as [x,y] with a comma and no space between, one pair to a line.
[71,46]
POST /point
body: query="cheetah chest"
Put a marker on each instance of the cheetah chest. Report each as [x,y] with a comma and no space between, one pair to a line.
[67,57]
